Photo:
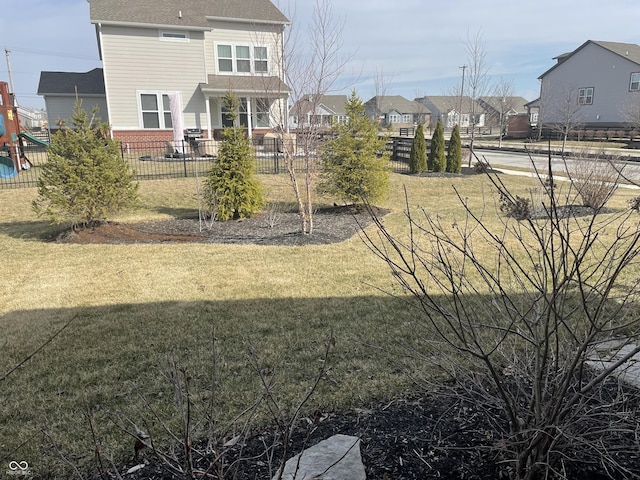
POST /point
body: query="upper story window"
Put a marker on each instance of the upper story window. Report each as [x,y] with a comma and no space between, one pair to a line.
[585,96]
[155,110]
[634,84]
[242,59]
[169,36]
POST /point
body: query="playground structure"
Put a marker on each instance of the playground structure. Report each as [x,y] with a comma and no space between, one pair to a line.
[13,137]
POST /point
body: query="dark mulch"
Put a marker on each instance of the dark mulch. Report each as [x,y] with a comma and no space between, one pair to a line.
[275,226]
[438,435]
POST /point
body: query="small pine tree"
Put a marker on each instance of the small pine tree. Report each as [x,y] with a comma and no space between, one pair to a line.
[85,180]
[355,164]
[418,155]
[437,157]
[231,190]
[454,152]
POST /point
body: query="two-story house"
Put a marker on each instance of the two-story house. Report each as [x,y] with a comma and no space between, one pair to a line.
[597,86]
[161,53]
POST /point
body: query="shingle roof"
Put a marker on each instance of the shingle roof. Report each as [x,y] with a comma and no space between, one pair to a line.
[65,83]
[334,103]
[183,13]
[516,103]
[398,103]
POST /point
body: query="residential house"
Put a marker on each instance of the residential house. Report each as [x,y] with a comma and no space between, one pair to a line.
[62,89]
[499,108]
[32,119]
[452,110]
[396,111]
[597,86]
[318,111]
[187,54]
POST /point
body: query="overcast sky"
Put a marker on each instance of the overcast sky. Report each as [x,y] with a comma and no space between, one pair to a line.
[418,45]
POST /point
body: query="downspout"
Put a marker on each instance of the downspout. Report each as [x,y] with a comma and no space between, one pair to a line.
[104,76]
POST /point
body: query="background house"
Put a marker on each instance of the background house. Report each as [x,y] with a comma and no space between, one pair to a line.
[597,86]
[61,89]
[186,54]
[396,111]
[318,110]
[452,110]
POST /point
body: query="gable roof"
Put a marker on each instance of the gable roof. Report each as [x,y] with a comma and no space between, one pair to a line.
[194,14]
[66,83]
[629,51]
[515,103]
[334,103]
[446,103]
[396,102]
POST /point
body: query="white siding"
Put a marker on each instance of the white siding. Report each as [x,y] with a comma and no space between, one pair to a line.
[137,59]
[61,108]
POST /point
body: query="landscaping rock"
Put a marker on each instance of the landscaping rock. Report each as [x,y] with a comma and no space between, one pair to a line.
[337,458]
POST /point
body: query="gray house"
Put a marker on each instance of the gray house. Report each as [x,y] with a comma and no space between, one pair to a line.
[61,89]
[597,86]
[452,110]
[320,111]
[397,111]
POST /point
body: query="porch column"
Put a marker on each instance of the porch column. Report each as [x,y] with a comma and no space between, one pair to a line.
[208,110]
[249,122]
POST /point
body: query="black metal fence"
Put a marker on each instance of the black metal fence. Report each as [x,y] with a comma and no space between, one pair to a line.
[157,160]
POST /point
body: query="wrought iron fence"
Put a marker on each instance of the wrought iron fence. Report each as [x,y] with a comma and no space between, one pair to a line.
[156,160]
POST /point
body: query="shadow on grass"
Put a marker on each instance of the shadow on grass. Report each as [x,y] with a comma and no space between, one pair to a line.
[33,230]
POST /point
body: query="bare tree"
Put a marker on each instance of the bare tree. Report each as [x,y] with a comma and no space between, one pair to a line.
[381,87]
[312,68]
[531,317]
[503,102]
[563,111]
[477,80]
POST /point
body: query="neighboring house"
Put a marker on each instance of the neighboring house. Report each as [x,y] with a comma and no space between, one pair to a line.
[61,89]
[396,111]
[597,86]
[321,111]
[452,110]
[31,119]
[498,109]
[188,54]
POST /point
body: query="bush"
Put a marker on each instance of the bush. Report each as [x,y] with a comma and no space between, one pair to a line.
[454,152]
[517,207]
[595,179]
[634,203]
[437,160]
[85,181]
[355,164]
[231,190]
[418,155]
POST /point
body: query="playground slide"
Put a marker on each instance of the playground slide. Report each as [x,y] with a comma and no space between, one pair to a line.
[32,139]
[7,168]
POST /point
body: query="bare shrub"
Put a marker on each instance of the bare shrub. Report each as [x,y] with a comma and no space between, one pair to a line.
[516,312]
[634,203]
[518,207]
[595,178]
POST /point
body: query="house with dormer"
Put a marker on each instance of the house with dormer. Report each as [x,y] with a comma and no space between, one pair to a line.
[318,111]
[185,55]
[596,86]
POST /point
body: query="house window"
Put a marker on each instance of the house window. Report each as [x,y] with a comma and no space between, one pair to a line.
[225,59]
[242,59]
[634,84]
[174,36]
[260,59]
[262,112]
[242,117]
[394,118]
[585,96]
[406,118]
[155,109]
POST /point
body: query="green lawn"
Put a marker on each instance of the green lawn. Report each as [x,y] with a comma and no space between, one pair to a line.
[138,308]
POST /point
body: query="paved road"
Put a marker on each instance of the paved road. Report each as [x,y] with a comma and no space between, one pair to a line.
[524,160]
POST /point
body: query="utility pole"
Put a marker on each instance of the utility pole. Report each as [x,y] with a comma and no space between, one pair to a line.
[12,91]
[464,67]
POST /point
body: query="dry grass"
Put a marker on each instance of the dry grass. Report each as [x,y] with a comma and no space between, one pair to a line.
[138,306]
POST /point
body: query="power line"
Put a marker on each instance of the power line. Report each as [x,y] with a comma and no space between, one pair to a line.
[49,53]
